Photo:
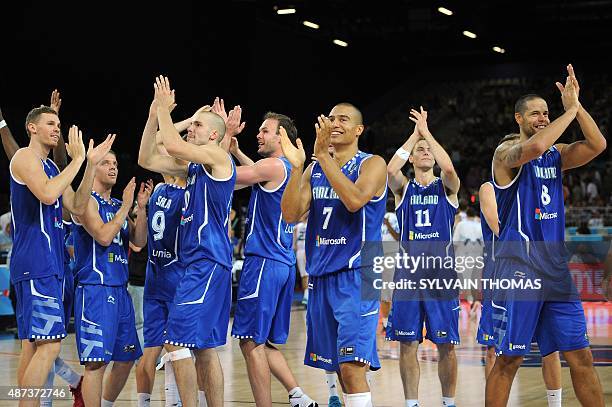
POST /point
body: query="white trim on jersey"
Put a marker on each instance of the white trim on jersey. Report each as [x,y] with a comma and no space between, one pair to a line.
[221,179]
[175,250]
[386,179]
[403,195]
[256,293]
[201,299]
[42,224]
[370,313]
[519,223]
[449,201]
[93,260]
[497,306]
[12,175]
[205,214]
[252,216]
[450,233]
[278,231]
[279,185]
[363,236]
[518,174]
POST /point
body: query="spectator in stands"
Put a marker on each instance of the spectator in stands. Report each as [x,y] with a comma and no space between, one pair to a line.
[596,220]
[591,190]
[6,243]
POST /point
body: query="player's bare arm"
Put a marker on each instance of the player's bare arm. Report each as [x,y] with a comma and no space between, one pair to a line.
[372,177]
[267,170]
[488,206]
[449,176]
[297,195]
[581,152]
[26,168]
[513,154]
[395,177]
[102,232]
[235,150]
[8,141]
[212,154]
[138,229]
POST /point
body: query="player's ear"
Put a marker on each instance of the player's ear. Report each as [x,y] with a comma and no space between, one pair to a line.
[518,117]
[214,135]
[359,129]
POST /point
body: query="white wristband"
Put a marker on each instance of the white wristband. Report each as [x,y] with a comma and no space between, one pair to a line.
[2,124]
[403,154]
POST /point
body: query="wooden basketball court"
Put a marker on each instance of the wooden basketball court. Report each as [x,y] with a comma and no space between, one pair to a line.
[528,388]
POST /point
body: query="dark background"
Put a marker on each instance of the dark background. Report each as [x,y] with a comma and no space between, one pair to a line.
[103,57]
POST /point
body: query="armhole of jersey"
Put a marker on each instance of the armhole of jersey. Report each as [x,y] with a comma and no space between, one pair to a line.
[518,174]
[157,186]
[403,194]
[221,179]
[97,208]
[384,194]
[13,176]
[55,165]
[279,185]
[446,195]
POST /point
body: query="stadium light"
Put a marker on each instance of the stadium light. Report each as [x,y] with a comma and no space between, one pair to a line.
[499,49]
[469,34]
[341,43]
[311,24]
[285,11]
[445,11]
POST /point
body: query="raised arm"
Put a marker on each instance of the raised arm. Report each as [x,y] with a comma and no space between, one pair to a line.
[296,197]
[372,177]
[26,168]
[449,176]
[138,231]
[395,177]
[266,170]
[177,147]
[581,152]
[60,156]
[488,206]
[8,141]
[235,150]
[76,202]
[102,232]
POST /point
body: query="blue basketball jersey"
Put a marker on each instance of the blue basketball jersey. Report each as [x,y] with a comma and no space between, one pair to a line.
[425,214]
[97,264]
[163,268]
[532,216]
[267,233]
[204,222]
[335,236]
[38,232]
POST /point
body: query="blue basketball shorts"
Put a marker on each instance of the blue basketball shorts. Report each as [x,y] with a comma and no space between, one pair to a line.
[485,334]
[68,293]
[265,294]
[555,325]
[441,319]
[105,324]
[199,315]
[341,327]
[40,311]
[155,312]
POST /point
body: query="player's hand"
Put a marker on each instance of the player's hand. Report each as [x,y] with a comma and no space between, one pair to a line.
[218,107]
[295,155]
[233,126]
[75,147]
[164,96]
[234,147]
[56,101]
[420,120]
[128,192]
[323,129]
[144,193]
[205,108]
[97,153]
[569,92]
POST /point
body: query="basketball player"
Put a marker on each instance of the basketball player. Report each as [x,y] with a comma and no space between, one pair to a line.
[267,280]
[199,316]
[164,269]
[551,364]
[425,207]
[527,176]
[104,314]
[38,192]
[60,367]
[346,196]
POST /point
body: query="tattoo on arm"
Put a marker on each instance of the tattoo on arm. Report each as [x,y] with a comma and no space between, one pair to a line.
[511,155]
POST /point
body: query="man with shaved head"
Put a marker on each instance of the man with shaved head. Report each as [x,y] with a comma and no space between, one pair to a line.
[199,316]
[345,196]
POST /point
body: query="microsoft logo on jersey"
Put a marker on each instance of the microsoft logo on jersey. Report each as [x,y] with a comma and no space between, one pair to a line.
[186,219]
[324,241]
[539,215]
[422,236]
[112,257]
